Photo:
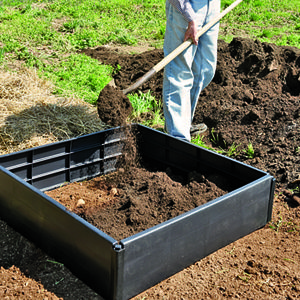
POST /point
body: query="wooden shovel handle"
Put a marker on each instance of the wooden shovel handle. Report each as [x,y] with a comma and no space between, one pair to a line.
[179,49]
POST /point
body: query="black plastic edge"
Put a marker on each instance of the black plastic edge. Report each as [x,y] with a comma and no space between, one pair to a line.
[272,191]
[117,271]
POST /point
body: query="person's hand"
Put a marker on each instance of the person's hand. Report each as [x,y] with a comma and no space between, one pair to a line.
[191,32]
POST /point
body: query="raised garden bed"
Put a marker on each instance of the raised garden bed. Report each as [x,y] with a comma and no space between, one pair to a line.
[121,269]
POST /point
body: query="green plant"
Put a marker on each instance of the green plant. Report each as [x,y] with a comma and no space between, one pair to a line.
[215,137]
[232,151]
[198,140]
[245,277]
[2,52]
[29,58]
[141,103]
[55,262]
[146,110]
[249,152]
[277,224]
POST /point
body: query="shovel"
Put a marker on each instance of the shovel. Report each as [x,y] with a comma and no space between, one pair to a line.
[177,51]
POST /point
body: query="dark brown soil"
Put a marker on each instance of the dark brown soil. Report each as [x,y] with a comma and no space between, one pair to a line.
[130,201]
[255,98]
[113,106]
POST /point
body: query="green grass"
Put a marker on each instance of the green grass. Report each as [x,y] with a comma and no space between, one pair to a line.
[249,152]
[266,20]
[146,110]
[82,77]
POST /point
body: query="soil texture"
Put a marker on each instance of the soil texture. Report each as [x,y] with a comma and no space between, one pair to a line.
[253,98]
[113,106]
[130,201]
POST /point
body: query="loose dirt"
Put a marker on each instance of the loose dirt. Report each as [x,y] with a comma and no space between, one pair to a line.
[113,106]
[130,201]
[254,98]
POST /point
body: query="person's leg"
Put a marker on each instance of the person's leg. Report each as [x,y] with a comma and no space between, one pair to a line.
[205,60]
[178,77]
[181,74]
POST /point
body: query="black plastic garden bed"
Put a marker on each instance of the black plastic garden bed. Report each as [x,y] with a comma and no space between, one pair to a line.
[122,269]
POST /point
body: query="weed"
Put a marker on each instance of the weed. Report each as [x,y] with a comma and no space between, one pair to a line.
[141,103]
[249,152]
[232,151]
[54,262]
[267,33]
[231,252]
[57,282]
[2,52]
[198,140]
[276,225]
[222,271]
[30,59]
[288,259]
[146,105]
[215,137]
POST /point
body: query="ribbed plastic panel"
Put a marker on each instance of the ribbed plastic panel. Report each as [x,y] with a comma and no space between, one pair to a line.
[122,269]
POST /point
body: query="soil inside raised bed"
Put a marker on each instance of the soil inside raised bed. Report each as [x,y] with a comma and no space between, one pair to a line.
[133,199]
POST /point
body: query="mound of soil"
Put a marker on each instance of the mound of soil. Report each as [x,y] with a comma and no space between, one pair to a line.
[253,98]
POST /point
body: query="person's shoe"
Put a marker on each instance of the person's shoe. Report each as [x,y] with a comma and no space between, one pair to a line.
[197,129]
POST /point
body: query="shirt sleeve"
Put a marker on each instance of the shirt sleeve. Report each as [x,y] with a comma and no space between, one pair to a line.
[185,8]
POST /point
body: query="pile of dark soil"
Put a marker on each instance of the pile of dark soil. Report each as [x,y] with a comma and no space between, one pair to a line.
[254,98]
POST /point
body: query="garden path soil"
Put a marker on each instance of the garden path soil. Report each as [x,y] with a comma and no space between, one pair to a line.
[254,98]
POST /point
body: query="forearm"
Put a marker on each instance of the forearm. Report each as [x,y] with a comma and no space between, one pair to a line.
[185,8]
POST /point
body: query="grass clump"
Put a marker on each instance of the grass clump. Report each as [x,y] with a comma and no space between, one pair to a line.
[249,152]
[146,110]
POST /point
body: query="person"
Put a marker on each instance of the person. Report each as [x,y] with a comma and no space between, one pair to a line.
[192,70]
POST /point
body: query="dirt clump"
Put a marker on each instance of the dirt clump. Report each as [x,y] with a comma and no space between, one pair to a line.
[113,106]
